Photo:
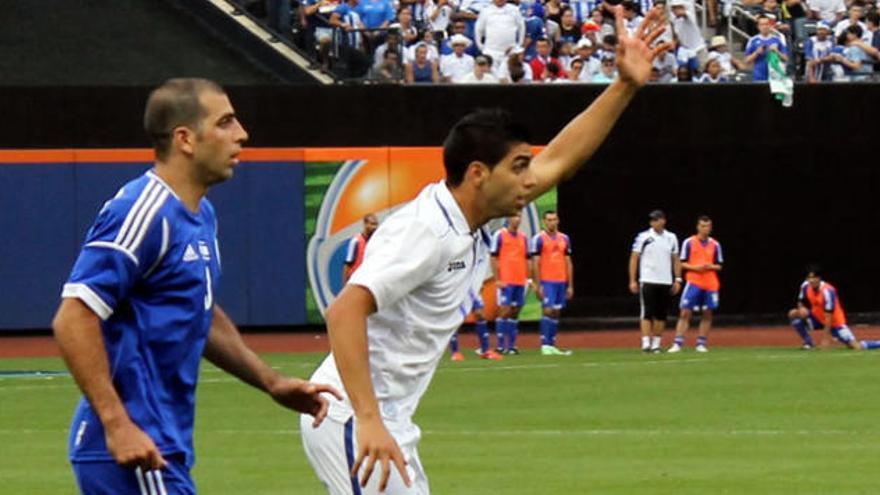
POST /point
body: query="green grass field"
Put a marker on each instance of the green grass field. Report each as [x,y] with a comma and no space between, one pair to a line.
[736,421]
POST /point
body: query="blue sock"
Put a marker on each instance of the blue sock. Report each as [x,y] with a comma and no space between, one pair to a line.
[545,330]
[500,333]
[512,331]
[453,343]
[679,340]
[701,341]
[800,327]
[870,344]
[483,334]
[554,326]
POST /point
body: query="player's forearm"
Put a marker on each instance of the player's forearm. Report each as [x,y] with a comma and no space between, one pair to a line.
[633,267]
[536,269]
[676,266]
[226,349]
[78,335]
[570,267]
[494,263]
[577,142]
[347,330]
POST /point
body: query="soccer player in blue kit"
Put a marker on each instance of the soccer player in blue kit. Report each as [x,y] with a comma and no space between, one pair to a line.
[138,311]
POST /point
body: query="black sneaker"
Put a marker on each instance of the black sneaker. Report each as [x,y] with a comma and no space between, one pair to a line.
[512,350]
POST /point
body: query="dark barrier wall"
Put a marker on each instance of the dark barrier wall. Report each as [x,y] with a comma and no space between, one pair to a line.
[47,208]
[785,186]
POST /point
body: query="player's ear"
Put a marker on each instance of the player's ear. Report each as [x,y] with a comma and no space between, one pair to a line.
[477,172]
[183,138]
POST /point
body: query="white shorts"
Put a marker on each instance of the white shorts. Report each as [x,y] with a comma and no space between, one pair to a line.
[332,449]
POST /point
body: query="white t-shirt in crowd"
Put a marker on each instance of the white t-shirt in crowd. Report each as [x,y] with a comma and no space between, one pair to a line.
[498,29]
[455,67]
[656,250]
[827,9]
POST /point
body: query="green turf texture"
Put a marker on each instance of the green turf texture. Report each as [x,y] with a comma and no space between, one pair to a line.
[734,421]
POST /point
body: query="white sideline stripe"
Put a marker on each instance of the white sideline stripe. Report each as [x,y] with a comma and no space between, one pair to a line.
[584,365]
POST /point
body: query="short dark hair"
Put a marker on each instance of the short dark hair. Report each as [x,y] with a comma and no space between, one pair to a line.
[173,104]
[629,5]
[704,218]
[610,39]
[814,269]
[873,17]
[485,135]
[549,212]
[855,30]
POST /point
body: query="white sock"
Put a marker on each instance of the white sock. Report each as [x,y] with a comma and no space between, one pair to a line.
[655,342]
[646,342]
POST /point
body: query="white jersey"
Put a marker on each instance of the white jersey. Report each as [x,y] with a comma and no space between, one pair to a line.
[420,265]
[498,29]
[456,68]
[656,251]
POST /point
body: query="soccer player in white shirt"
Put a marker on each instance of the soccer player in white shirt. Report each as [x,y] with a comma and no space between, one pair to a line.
[389,326]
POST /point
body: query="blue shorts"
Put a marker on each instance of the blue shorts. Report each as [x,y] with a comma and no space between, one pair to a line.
[696,299]
[109,478]
[512,295]
[554,294]
[842,334]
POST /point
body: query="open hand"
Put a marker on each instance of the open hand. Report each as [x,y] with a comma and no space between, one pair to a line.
[375,444]
[305,397]
[635,56]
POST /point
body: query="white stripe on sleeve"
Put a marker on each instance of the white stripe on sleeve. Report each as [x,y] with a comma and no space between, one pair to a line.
[132,213]
[89,297]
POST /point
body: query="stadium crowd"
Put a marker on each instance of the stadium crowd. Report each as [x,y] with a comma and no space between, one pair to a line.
[573,41]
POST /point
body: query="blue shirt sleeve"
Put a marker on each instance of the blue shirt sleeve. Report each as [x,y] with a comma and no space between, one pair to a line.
[389,12]
[686,249]
[830,300]
[719,258]
[752,46]
[537,245]
[125,244]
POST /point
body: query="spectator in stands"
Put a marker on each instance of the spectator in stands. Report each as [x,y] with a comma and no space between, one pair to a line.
[760,45]
[683,75]
[542,59]
[316,18]
[375,14]
[857,64]
[856,11]
[687,57]
[771,9]
[689,34]
[585,51]
[669,32]
[422,70]
[409,54]
[729,64]
[830,11]
[458,64]
[582,9]
[713,73]
[392,44]
[553,11]
[459,27]
[565,54]
[439,14]
[574,71]
[590,30]
[609,45]
[607,71]
[417,11]
[482,73]
[515,63]
[631,14]
[552,72]
[390,70]
[500,27]
[535,29]
[665,65]
[817,51]
[794,14]
[872,20]
[351,43]
[408,32]
[569,29]
[468,12]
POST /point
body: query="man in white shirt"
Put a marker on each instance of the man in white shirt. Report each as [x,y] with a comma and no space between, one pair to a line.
[830,11]
[482,73]
[652,263]
[458,64]
[689,34]
[390,325]
[855,19]
[500,27]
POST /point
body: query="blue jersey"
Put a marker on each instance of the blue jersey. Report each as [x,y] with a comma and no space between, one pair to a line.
[149,269]
[761,71]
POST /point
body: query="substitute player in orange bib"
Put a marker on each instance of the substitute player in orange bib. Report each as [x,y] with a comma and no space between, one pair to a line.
[510,258]
[357,245]
[553,275]
[701,257]
[819,308]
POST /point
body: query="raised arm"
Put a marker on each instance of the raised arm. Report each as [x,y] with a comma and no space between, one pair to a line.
[78,334]
[226,349]
[577,142]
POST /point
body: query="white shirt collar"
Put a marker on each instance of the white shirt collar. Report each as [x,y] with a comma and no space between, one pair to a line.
[450,209]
